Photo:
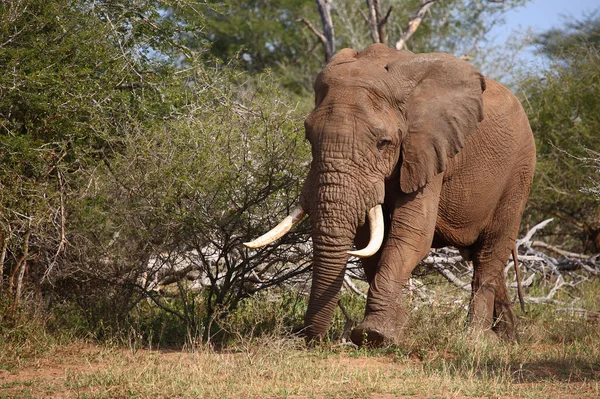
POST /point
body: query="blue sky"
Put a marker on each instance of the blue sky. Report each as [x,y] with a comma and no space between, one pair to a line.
[541,15]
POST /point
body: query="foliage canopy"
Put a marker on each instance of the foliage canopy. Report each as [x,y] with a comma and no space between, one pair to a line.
[142,141]
[562,102]
[123,148]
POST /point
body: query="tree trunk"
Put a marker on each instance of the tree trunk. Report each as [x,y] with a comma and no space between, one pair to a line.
[19,271]
[324,8]
[4,239]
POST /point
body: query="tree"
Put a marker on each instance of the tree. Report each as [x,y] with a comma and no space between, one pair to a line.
[257,35]
[288,36]
[564,43]
[75,77]
[132,167]
[165,218]
[63,94]
[456,26]
[562,102]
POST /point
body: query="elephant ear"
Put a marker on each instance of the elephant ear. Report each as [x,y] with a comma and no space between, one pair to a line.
[442,110]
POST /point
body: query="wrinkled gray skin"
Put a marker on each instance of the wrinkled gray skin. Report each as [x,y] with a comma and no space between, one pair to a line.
[448,153]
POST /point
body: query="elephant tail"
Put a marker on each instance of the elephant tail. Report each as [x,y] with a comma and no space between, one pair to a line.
[518,274]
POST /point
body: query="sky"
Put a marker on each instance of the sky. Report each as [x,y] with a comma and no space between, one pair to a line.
[536,17]
[541,15]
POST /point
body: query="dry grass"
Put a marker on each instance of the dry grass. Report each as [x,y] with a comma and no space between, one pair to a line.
[281,369]
[558,357]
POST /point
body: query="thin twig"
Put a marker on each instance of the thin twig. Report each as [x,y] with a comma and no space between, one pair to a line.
[452,278]
[350,285]
[20,269]
[63,237]
[414,23]
[314,30]
[5,239]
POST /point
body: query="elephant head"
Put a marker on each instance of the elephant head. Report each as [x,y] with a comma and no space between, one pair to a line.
[382,117]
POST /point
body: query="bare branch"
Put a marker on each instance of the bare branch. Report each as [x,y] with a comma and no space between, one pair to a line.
[349,325]
[375,21]
[350,285]
[452,277]
[418,289]
[364,16]
[372,20]
[324,8]
[3,257]
[327,37]
[556,250]
[387,15]
[381,23]
[526,283]
[63,219]
[449,264]
[587,268]
[532,231]
[20,268]
[414,23]
[314,30]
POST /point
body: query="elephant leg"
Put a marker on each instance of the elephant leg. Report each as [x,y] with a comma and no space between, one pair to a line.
[505,320]
[490,311]
[409,240]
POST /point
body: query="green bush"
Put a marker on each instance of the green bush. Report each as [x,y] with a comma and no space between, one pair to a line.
[562,103]
[124,153]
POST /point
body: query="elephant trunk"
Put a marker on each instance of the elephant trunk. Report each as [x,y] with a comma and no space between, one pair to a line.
[330,255]
[335,211]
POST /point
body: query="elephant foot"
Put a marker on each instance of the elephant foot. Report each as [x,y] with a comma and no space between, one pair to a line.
[501,327]
[483,335]
[369,336]
[506,334]
[491,315]
[505,322]
[310,339]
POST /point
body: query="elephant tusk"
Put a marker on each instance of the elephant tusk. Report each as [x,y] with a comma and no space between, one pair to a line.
[278,231]
[376,229]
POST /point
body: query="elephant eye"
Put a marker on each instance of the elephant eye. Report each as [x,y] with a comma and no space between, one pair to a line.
[381,144]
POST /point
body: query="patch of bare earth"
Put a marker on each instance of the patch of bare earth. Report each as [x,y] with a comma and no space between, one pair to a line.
[45,376]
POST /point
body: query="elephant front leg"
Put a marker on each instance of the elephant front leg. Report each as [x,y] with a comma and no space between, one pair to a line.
[385,314]
[408,241]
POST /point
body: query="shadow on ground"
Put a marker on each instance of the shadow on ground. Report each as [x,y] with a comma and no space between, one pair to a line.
[567,370]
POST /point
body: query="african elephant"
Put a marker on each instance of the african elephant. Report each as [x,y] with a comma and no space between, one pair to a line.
[411,151]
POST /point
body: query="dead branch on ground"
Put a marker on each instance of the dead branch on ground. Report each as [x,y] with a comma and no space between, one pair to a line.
[557,273]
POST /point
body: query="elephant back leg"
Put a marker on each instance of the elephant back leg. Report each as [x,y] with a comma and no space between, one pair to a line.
[491,310]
